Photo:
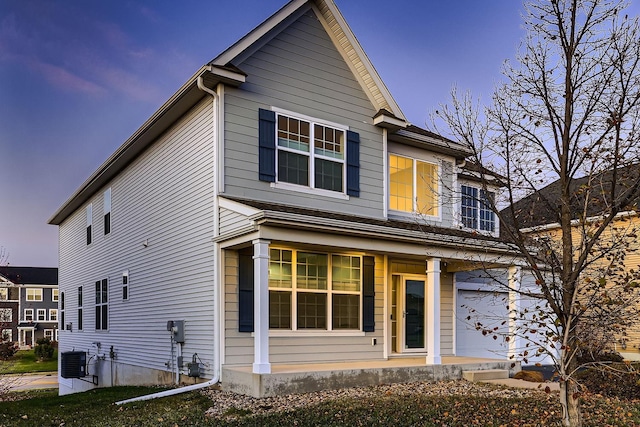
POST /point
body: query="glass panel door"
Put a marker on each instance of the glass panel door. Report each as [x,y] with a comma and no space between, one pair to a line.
[414,315]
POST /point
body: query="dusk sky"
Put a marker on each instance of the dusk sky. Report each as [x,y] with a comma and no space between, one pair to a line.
[78,77]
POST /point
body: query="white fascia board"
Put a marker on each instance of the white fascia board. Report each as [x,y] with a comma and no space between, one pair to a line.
[237,207]
[575,222]
[254,35]
[360,53]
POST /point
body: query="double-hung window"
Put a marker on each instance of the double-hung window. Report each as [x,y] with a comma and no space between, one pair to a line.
[89,212]
[80,311]
[42,315]
[102,305]
[28,314]
[413,185]
[314,291]
[34,294]
[475,209]
[53,315]
[310,154]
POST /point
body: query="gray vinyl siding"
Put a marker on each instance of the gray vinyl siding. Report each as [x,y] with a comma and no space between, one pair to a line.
[231,221]
[164,198]
[299,349]
[301,71]
[446,314]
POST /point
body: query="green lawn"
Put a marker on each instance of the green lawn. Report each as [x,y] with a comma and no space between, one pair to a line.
[97,408]
[25,361]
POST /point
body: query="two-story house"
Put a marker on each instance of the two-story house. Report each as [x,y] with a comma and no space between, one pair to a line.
[28,304]
[277,225]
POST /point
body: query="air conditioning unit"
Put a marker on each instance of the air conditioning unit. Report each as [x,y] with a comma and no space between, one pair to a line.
[73,364]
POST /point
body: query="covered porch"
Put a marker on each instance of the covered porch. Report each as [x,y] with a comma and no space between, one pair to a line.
[304,378]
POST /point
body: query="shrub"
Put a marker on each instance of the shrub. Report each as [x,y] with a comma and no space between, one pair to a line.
[619,380]
[7,350]
[43,349]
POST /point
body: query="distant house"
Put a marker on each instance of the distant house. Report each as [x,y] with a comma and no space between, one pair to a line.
[28,304]
[539,215]
[276,215]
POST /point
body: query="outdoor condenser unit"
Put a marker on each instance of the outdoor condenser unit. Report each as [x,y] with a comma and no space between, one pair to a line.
[73,364]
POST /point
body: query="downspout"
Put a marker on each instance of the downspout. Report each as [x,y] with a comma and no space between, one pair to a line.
[216,257]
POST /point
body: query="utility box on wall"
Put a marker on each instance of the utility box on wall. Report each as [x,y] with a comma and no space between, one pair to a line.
[73,364]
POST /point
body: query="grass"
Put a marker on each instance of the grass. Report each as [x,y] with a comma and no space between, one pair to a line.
[25,361]
[97,408]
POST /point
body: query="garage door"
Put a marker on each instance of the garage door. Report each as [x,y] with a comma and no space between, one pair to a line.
[490,308]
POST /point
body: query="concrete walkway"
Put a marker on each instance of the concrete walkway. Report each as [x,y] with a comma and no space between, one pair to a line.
[33,381]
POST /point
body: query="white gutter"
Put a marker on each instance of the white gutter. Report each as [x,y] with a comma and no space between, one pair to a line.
[216,257]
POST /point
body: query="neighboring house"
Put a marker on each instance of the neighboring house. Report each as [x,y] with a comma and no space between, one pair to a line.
[278,212]
[28,304]
[539,215]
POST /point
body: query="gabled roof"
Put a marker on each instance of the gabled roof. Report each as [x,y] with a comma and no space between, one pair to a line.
[223,69]
[543,206]
[30,275]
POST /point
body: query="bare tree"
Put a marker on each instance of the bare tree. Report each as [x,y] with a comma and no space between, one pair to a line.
[563,131]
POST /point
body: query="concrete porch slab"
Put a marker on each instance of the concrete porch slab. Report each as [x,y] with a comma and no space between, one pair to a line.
[304,378]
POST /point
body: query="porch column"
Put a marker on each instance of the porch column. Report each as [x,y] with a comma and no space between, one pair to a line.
[433,311]
[261,363]
[515,282]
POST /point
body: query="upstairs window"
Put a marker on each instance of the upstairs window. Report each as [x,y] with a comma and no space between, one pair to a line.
[34,294]
[28,315]
[475,209]
[4,294]
[304,153]
[55,295]
[80,311]
[6,315]
[42,314]
[107,211]
[310,154]
[89,212]
[125,285]
[413,185]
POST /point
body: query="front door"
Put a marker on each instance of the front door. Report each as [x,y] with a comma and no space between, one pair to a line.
[408,315]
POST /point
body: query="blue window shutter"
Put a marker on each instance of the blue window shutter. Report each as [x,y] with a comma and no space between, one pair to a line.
[353,164]
[368,294]
[245,291]
[267,145]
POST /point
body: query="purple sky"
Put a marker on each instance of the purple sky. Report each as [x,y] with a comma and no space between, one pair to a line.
[78,77]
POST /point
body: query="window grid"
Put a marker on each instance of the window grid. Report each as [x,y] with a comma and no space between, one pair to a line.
[6,315]
[475,209]
[34,294]
[309,293]
[55,295]
[28,315]
[125,285]
[53,315]
[102,307]
[323,167]
[42,315]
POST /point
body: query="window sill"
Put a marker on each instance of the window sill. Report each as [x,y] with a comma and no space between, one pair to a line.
[304,333]
[413,216]
[308,190]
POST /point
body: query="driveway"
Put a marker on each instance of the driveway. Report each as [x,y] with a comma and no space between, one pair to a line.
[31,381]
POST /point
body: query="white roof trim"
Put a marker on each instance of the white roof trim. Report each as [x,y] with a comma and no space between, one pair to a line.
[344,40]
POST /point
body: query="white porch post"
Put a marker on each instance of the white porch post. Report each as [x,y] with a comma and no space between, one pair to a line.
[515,282]
[433,311]
[261,363]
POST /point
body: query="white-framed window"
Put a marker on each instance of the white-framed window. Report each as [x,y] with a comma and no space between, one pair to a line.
[310,153]
[53,315]
[107,211]
[42,315]
[89,212]
[55,334]
[28,314]
[55,295]
[102,305]
[80,311]
[34,294]
[4,294]
[413,185]
[125,285]
[6,335]
[61,311]
[6,315]
[314,291]
[475,208]
[48,333]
